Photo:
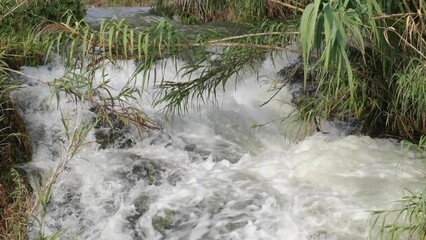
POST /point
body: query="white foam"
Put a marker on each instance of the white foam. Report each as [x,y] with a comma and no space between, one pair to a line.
[319,188]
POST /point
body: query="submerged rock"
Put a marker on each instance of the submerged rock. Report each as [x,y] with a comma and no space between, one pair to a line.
[169,220]
[113,133]
[110,138]
[190,147]
[149,170]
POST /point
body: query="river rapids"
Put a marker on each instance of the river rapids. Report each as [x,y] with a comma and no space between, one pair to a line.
[209,174]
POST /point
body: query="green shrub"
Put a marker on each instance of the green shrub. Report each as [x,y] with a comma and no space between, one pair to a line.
[201,11]
[16,16]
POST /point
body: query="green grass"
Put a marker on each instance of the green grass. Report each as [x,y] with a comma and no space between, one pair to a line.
[20,44]
[406,222]
[201,11]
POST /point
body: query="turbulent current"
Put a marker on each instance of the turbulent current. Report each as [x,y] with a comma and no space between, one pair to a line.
[209,174]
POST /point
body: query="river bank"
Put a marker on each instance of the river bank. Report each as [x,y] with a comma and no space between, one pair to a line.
[20,45]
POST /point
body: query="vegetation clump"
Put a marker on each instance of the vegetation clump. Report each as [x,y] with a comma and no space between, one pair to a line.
[15,202]
[15,143]
[199,11]
[20,21]
[362,60]
[20,45]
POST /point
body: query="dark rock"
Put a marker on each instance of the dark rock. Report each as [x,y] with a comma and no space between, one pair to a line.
[293,73]
[149,170]
[174,178]
[236,225]
[293,77]
[141,204]
[110,138]
[170,220]
[190,147]
[350,126]
[113,133]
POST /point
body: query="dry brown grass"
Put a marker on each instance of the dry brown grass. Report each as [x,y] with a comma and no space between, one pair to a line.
[14,205]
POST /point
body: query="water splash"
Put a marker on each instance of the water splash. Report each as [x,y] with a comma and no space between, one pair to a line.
[209,175]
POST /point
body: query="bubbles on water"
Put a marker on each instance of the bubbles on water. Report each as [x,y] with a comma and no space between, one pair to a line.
[209,175]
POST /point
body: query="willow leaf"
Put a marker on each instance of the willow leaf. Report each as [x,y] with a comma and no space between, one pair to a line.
[307,32]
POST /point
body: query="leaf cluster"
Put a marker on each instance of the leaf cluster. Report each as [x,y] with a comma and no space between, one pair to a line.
[16,15]
[211,59]
[407,222]
[366,64]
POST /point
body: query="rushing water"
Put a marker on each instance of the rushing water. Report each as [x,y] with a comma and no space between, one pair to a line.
[209,174]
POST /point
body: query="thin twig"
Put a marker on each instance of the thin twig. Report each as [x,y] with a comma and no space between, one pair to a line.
[287,5]
[252,35]
[12,10]
[28,76]
[232,44]
[405,41]
[273,96]
[251,45]
[385,16]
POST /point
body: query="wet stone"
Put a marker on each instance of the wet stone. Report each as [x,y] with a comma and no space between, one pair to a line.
[148,170]
[190,147]
[110,138]
[110,207]
[165,221]
[235,225]
[326,235]
[169,220]
[200,155]
[213,205]
[258,200]
[113,133]
[319,235]
[161,138]
[40,132]
[174,178]
[71,200]
[142,204]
